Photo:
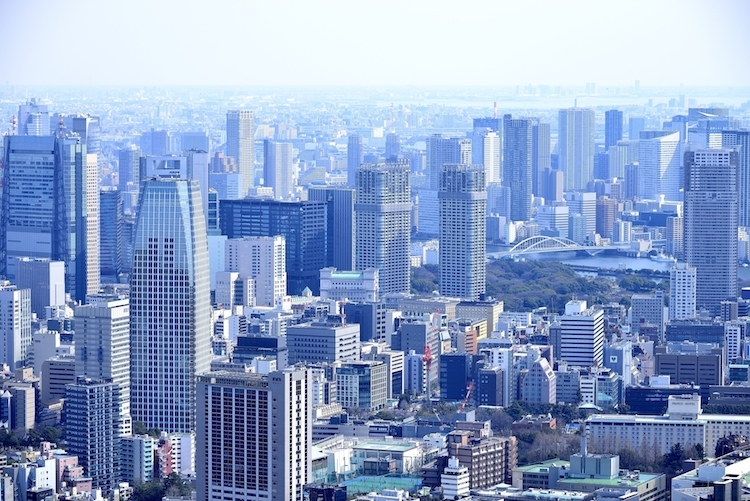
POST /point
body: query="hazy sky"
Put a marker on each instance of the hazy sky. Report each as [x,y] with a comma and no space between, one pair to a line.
[383,42]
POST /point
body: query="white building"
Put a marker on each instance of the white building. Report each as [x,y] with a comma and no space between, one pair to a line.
[734,332]
[682,287]
[583,203]
[15,324]
[233,289]
[455,480]
[621,231]
[553,220]
[660,160]
[356,286]
[137,458]
[264,260]
[582,335]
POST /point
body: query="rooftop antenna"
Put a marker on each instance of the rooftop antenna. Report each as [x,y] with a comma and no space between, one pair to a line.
[61,126]
[494,108]
[575,103]
[13,125]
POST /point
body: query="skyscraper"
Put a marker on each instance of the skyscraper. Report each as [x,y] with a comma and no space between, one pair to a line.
[576,146]
[660,165]
[340,224]
[517,159]
[254,435]
[102,336]
[169,293]
[540,156]
[582,335]
[740,139]
[33,118]
[443,150]
[128,175]
[463,246]
[681,292]
[264,260]
[635,126]
[278,168]
[354,157]
[485,151]
[59,218]
[710,224]
[392,147]
[383,219]
[110,232]
[46,279]
[15,325]
[612,128]
[241,146]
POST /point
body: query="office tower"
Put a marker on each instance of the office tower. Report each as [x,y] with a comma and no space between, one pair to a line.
[264,260]
[740,139]
[601,165]
[324,340]
[540,156]
[647,309]
[169,293]
[621,231]
[254,435]
[612,128]
[635,126]
[110,232]
[517,157]
[192,166]
[576,146]
[278,168]
[618,156]
[87,127]
[46,279]
[33,118]
[302,224]
[454,374]
[443,150]
[539,386]
[241,146]
[463,246]
[553,184]
[194,140]
[485,150]
[660,165]
[710,224]
[606,212]
[492,123]
[383,212]
[15,324]
[128,176]
[59,218]
[362,385]
[553,220]
[675,237]
[92,429]
[354,157]
[682,284]
[582,335]
[339,224]
[583,203]
[632,180]
[392,147]
[102,341]
[156,142]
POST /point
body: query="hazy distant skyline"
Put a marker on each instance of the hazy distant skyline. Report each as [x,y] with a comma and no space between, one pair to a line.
[297,42]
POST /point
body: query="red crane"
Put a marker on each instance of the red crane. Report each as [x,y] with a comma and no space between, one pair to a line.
[469,388]
[427,359]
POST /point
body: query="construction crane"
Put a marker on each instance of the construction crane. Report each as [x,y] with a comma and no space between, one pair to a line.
[469,388]
[427,359]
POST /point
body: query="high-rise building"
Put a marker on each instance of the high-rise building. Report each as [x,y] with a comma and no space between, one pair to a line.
[362,384]
[682,280]
[576,146]
[46,279]
[463,246]
[517,165]
[15,325]
[660,165]
[392,147]
[102,336]
[540,156]
[485,150]
[553,220]
[169,293]
[582,335]
[264,260]
[92,429]
[302,224]
[553,185]
[59,218]
[710,224]
[635,126]
[340,243]
[254,435]
[583,203]
[324,340]
[110,232]
[647,309]
[354,157]
[612,128]
[443,150]
[675,237]
[383,222]
[33,118]
[278,168]
[740,139]
[156,142]
[241,146]
[606,213]
[194,140]
[128,168]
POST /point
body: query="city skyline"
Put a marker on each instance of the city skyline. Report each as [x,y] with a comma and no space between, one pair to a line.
[231,29]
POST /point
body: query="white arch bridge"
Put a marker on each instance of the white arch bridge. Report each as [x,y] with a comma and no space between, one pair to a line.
[543,244]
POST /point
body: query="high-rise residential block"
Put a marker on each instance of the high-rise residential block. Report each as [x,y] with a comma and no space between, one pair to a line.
[278,168]
[59,218]
[463,246]
[612,128]
[540,156]
[264,260]
[710,224]
[102,340]
[486,151]
[46,279]
[517,165]
[254,435]
[576,146]
[302,224]
[15,325]
[443,150]
[241,146]
[682,283]
[354,158]
[340,242]
[383,223]
[169,293]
